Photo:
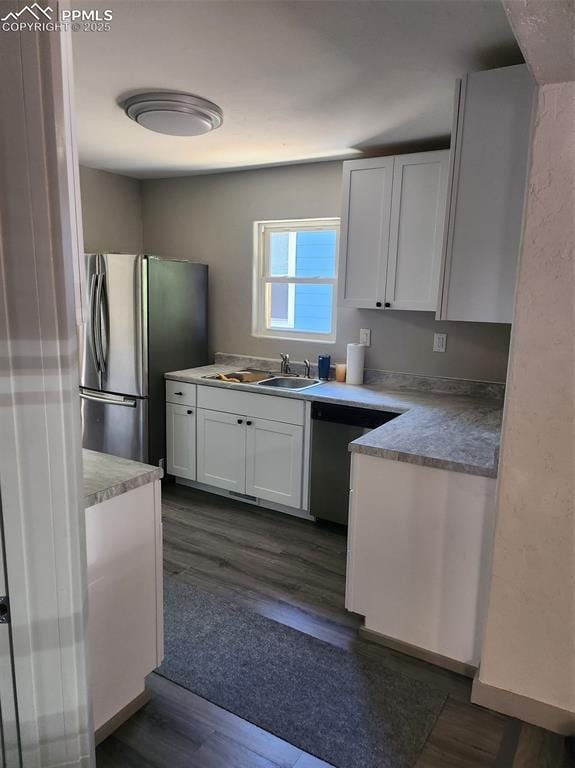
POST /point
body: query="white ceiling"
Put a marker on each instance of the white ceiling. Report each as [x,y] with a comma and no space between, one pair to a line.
[298,81]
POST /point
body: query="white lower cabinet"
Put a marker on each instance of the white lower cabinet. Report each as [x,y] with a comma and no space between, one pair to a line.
[252,456]
[221,443]
[125,608]
[240,442]
[181,440]
[274,460]
[419,555]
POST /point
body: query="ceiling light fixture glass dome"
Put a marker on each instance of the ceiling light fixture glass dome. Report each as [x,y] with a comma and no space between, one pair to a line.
[173,113]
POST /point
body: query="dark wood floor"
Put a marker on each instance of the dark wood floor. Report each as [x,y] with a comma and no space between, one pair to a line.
[291,571]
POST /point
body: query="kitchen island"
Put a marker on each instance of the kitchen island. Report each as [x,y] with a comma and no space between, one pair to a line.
[125,602]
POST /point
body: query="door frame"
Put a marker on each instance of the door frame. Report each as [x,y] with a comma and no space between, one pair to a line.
[41,477]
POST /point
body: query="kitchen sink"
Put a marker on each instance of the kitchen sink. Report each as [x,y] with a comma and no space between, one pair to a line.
[241,377]
[264,379]
[289,382]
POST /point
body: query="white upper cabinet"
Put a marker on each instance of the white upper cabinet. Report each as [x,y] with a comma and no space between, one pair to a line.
[418,201]
[364,233]
[392,231]
[491,135]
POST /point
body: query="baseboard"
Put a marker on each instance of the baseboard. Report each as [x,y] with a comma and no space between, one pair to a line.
[120,717]
[529,710]
[453,665]
[301,513]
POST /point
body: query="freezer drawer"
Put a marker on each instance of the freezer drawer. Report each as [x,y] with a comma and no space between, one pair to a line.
[115,424]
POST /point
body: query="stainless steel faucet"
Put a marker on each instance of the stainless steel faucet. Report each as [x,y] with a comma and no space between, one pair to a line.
[285,366]
[307,369]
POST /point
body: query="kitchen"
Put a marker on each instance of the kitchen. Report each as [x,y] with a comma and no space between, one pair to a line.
[296,322]
[264,430]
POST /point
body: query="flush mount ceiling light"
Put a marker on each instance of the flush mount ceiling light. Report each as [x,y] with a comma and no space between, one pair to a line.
[177,114]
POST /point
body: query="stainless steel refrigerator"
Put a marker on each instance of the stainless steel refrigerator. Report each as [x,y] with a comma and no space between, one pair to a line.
[146,316]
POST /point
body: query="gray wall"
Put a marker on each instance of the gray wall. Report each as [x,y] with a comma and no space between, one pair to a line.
[209,219]
[111,212]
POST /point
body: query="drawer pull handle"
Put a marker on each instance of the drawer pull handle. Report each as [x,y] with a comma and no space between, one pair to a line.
[249,423]
[240,421]
[190,412]
[178,393]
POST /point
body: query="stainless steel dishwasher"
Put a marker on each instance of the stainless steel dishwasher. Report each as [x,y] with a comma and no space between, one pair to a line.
[333,429]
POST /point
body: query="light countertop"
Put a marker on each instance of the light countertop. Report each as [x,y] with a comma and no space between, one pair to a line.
[106,476]
[449,431]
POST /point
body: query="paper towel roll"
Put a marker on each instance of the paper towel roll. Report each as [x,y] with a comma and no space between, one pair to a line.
[355,361]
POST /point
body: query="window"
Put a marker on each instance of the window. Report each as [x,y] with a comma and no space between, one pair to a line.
[295,279]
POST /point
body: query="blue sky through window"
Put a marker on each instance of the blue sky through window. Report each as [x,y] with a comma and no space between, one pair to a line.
[297,267]
[302,307]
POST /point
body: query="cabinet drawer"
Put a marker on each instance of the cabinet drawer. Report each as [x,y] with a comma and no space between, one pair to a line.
[180,392]
[252,404]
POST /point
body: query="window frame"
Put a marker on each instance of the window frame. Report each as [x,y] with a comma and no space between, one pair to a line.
[261,237]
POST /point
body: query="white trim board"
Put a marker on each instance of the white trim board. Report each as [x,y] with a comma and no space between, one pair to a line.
[538,713]
[301,513]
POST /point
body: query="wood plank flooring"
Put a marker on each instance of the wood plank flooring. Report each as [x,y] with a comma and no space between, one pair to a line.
[292,571]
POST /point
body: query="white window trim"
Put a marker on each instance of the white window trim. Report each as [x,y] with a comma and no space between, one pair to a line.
[262,230]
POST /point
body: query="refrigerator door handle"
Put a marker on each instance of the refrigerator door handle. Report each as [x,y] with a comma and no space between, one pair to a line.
[126,402]
[102,302]
[99,327]
[93,322]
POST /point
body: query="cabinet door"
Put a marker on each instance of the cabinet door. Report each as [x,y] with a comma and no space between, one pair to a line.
[416,233]
[274,461]
[492,134]
[364,236]
[181,440]
[221,441]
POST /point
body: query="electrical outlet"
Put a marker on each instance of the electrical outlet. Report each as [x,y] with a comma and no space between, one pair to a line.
[365,336]
[439,342]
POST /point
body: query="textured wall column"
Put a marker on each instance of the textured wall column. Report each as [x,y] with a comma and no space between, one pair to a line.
[528,662]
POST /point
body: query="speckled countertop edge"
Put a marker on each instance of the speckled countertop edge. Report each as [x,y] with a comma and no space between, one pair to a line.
[107,476]
[446,431]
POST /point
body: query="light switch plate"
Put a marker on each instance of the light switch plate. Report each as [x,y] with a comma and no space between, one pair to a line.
[365,336]
[439,342]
